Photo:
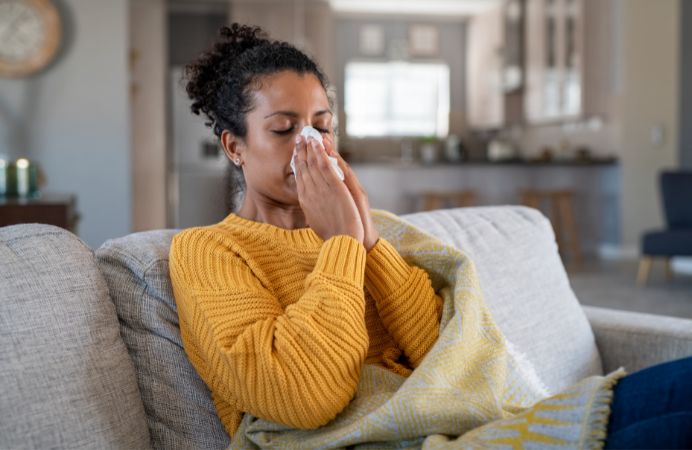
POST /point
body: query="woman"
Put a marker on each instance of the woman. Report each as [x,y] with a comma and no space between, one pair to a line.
[283,302]
[294,260]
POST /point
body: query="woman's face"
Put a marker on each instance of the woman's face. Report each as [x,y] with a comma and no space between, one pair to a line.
[284,103]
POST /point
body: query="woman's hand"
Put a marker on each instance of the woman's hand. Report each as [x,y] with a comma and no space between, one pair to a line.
[325,200]
[360,196]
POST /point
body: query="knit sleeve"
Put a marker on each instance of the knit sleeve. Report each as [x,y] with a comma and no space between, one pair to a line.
[406,301]
[297,366]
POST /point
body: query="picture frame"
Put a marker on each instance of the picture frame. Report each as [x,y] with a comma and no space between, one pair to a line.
[423,40]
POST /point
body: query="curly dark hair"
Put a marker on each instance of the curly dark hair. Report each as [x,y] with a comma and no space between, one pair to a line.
[221,80]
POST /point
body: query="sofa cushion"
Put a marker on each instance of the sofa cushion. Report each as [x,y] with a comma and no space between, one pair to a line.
[66,380]
[525,286]
[178,404]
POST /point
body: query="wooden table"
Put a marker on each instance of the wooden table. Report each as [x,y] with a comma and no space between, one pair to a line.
[54,209]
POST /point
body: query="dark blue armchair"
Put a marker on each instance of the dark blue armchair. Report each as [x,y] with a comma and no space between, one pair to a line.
[676,239]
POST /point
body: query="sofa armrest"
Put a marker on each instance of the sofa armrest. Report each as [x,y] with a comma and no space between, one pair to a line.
[636,340]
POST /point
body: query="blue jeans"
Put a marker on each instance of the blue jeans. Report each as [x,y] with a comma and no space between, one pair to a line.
[652,408]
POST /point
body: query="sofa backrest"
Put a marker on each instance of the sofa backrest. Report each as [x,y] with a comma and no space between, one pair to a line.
[66,380]
[516,257]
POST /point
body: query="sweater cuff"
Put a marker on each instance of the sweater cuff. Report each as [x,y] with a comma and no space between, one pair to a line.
[385,269]
[342,256]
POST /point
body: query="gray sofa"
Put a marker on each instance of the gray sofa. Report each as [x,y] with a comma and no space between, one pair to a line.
[90,354]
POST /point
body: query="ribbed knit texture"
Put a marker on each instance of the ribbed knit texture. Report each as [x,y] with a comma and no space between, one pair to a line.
[279,323]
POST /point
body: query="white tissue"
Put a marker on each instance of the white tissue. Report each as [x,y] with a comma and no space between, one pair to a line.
[309,131]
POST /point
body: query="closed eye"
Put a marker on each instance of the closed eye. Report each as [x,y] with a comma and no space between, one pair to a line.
[290,130]
[283,132]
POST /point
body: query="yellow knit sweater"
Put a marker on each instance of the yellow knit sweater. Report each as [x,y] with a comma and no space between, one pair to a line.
[279,323]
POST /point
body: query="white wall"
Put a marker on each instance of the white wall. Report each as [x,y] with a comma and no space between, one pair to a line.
[75,117]
[649,98]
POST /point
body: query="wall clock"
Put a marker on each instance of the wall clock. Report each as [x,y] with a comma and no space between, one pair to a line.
[30,35]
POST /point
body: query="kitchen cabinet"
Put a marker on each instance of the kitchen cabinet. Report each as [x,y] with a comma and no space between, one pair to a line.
[569,49]
[541,61]
[554,59]
[495,60]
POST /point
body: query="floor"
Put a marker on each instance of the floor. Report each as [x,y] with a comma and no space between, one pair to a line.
[612,284]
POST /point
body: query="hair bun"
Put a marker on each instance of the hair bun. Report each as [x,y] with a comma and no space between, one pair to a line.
[242,37]
[206,75]
[219,80]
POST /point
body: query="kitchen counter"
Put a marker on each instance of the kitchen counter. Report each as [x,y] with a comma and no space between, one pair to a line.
[398,163]
[398,186]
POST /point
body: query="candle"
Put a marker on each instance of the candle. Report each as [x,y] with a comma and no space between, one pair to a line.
[23,177]
[3,177]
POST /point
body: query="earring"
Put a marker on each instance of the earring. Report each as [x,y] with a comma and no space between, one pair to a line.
[237,162]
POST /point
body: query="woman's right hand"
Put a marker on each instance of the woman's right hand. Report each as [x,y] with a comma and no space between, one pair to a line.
[325,200]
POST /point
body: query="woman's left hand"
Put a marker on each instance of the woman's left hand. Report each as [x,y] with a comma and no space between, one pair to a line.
[360,196]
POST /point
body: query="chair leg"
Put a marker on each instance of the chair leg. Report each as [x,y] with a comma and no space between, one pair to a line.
[530,199]
[463,199]
[669,269]
[558,227]
[569,226]
[432,201]
[644,270]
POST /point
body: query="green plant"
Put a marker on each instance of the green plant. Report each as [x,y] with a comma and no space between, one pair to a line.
[430,139]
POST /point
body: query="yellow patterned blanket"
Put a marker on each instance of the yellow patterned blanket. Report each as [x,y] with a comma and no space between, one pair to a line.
[471,391]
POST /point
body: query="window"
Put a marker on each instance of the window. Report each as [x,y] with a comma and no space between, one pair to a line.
[396,99]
